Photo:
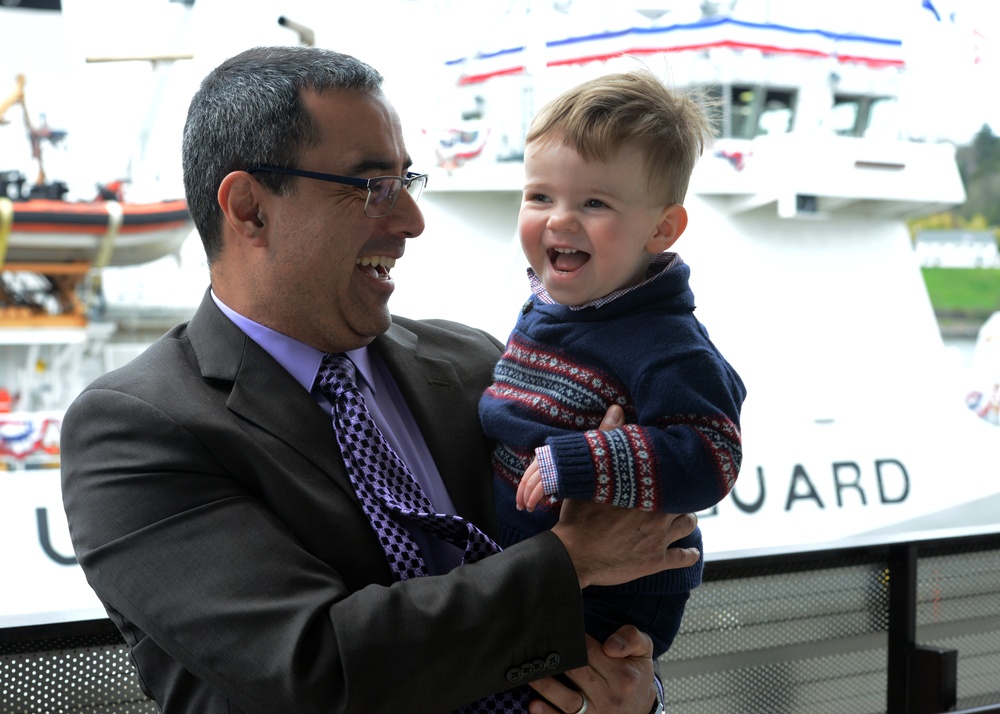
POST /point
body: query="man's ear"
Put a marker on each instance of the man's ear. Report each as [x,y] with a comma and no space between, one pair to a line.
[673,221]
[241,198]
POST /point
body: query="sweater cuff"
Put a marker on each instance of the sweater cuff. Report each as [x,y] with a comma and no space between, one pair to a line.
[574,464]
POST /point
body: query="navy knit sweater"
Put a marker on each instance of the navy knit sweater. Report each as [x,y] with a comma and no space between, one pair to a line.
[679,450]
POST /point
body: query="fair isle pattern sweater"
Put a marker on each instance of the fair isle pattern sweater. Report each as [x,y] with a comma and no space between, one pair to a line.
[680,448]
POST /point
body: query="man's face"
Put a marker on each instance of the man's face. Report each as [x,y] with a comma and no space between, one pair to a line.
[327,275]
[586,227]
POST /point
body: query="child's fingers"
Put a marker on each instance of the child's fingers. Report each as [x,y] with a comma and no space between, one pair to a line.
[521,494]
[531,476]
[536,494]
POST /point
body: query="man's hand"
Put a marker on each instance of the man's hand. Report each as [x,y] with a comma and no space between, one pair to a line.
[617,678]
[611,545]
[529,488]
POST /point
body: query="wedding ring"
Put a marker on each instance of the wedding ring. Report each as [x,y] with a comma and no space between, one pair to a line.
[583,707]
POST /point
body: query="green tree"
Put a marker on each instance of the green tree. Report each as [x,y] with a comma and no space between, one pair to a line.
[943,221]
[979,165]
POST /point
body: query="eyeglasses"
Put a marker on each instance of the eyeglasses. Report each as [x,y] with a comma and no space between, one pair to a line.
[382,190]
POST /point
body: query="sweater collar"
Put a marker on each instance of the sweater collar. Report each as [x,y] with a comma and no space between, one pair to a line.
[660,264]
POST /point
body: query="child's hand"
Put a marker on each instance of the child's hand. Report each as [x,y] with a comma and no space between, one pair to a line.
[529,490]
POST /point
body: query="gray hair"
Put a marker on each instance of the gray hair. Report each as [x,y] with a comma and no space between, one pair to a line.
[248,111]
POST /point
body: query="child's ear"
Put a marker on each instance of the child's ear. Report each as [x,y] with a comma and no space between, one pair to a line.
[673,221]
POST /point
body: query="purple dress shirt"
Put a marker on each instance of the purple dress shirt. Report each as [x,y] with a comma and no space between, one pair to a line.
[388,409]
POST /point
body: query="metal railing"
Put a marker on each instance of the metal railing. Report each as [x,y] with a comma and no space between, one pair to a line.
[910,627]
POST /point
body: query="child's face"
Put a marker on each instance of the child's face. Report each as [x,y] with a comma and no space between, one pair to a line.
[589,228]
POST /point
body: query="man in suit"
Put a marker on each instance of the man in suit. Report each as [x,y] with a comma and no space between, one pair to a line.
[208,501]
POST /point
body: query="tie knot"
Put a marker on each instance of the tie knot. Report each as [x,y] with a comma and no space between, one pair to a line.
[336,374]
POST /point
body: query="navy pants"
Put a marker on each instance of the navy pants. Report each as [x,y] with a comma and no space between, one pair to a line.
[659,616]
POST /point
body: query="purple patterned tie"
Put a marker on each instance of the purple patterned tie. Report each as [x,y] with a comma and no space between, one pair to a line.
[387,489]
[384,483]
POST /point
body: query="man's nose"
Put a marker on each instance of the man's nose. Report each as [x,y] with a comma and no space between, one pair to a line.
[406,216]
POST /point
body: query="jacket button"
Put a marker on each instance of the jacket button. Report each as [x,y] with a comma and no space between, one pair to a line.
[526,308]
[552,661]
[514,675]
[538,666]
[527,669]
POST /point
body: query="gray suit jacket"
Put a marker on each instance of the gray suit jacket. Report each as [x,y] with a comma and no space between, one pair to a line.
[210,510]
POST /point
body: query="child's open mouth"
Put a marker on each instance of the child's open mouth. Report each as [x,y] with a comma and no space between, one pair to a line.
[567,260]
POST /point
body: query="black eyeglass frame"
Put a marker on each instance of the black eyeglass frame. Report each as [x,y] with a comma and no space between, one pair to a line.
[366,184]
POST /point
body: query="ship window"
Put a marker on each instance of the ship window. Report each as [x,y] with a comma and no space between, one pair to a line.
[742,108]
[711,100]
[776,114]
[750,111]
[843,117]
[858,115]
[882,118]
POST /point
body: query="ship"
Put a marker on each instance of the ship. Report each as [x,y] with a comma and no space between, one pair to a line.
[855,427]
[57,243]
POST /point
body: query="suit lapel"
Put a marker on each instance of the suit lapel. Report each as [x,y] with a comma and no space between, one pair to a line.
[263,392]
[266,395]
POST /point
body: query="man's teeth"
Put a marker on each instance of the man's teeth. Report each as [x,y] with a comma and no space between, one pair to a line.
[376,261]
[565,250]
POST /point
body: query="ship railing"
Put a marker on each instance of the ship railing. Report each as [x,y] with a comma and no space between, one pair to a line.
[910,624]
[904,625]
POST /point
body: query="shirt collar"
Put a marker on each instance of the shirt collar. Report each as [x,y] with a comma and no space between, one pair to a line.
[660,264]
[299,359]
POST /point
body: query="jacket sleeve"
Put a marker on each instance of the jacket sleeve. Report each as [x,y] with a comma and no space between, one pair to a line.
[680,453]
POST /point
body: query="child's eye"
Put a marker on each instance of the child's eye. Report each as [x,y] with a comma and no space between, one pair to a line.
[594,203]
[536,197]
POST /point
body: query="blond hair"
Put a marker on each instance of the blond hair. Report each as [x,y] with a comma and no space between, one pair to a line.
[602,115]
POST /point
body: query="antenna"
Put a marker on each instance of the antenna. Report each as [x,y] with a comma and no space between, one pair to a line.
[306,35]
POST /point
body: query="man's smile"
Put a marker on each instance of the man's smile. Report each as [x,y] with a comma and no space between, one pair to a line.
[377,266]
